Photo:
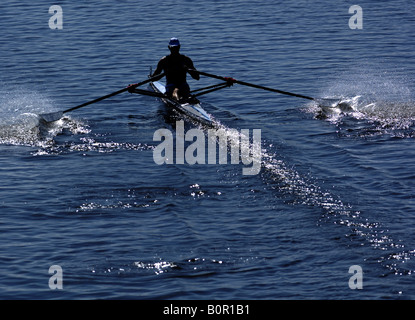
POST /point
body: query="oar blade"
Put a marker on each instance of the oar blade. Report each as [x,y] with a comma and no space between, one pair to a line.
[328,102]
[341,104]
[51,117]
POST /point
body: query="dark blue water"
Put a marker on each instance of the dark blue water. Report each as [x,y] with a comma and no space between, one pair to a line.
[336,186]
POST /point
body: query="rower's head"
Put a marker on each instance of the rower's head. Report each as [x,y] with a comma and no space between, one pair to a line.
[174,45]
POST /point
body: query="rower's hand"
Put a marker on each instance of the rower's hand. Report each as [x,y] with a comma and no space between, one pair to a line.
[131,87]
[194,75]
[230,81]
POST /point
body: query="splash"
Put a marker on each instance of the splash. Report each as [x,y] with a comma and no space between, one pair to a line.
[387,115]
[376,94]
[20,123]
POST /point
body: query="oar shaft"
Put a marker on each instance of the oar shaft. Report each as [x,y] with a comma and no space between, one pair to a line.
[96,100]
[215,88]
[254,85]
[114,93]
[273,90]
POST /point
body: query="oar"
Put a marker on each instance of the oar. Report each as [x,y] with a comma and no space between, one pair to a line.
[231,81]
[54,116]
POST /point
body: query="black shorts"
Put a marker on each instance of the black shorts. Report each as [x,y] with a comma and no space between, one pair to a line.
[184,89]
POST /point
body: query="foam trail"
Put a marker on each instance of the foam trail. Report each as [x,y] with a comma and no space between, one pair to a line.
[299,190]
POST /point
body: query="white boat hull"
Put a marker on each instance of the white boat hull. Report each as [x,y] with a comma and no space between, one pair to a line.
[193,110]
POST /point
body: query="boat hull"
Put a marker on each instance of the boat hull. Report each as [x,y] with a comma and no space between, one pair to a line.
[192,110]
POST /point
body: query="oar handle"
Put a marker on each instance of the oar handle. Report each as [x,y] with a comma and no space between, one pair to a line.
[252,85]
[115,93]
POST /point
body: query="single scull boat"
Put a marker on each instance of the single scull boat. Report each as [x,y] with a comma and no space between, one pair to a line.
[191,107]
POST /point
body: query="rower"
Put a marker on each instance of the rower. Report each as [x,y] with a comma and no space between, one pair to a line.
[175,67]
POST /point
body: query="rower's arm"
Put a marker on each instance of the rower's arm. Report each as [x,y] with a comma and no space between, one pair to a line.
[158,71]
[190,68]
